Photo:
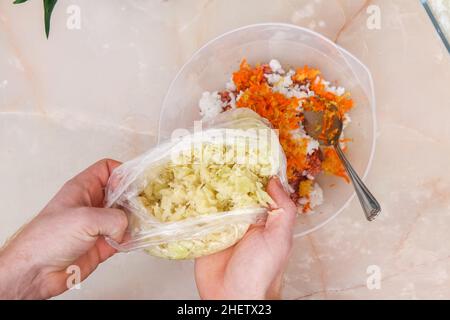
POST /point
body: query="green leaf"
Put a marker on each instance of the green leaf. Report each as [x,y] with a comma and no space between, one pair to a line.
[48,8]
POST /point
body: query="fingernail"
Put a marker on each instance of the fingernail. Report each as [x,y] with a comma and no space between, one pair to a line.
[276,212]
[278,181]
[274,206]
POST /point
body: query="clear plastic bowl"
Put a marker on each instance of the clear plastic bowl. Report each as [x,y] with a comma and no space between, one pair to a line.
[212,65]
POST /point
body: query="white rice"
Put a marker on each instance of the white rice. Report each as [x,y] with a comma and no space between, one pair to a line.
[313,144]
[339,91]
[275,65]
[210,105]
[316,196]
[230,86]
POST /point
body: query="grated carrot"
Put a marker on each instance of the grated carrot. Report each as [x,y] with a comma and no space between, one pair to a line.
[333,165]
[284,115]
[305,188]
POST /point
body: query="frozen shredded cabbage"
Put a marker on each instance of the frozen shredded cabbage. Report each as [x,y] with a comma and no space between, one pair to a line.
[199,195]
[191,189]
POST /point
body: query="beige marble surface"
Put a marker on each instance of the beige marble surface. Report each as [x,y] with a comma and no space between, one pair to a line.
[96,92]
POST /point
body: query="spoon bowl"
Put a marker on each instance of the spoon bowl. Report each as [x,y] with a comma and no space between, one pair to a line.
[326,127]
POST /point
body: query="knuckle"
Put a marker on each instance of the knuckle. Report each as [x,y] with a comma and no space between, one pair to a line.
[82,215]
[69,183]
[104,160]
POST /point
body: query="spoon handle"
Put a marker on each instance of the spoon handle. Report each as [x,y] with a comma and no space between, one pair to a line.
[369,204]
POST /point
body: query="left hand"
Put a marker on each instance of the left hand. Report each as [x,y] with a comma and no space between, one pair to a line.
[69,231]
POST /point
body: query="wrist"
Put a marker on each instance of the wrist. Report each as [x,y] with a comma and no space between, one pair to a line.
[224,294]
[19,277]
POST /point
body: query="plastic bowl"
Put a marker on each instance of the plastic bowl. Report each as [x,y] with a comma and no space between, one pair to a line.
[212,65]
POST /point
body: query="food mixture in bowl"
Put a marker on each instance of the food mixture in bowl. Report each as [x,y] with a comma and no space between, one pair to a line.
[281,96]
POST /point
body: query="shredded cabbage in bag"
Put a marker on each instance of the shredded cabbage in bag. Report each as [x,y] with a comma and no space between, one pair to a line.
[192,189]
[205,190]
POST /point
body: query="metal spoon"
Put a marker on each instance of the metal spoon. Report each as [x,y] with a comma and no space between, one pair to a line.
[314,122]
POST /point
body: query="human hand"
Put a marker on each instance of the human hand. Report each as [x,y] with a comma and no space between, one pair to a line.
[68,231]
[253,268]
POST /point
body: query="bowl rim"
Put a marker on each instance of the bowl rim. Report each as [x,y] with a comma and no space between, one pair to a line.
[372,101]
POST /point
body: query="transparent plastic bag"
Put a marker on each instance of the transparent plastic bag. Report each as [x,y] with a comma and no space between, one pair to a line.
[209,232]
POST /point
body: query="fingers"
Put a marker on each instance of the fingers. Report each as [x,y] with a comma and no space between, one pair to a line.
[99,253]
[101,170]
[209,271]
[108,222]
[94,179]
[97,223]
[281,221]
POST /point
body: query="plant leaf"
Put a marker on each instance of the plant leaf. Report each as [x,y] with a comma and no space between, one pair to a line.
[48,8]
[19,1]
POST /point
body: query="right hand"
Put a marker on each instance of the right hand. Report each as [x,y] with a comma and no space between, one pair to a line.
[253,268]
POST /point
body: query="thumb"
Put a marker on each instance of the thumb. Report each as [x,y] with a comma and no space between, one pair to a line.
[280,222]
[108,222]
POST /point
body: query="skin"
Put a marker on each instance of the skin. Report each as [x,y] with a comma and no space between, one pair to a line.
[70,230]
[252,269]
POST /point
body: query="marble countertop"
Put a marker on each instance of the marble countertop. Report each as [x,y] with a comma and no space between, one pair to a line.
[96,92]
